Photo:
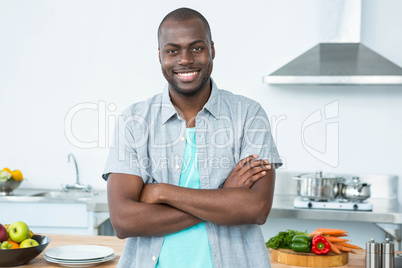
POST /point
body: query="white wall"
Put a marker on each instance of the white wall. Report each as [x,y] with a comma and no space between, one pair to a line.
[58,55]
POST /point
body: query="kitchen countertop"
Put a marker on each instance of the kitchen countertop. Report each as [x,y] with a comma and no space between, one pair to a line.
[384,210]
[355,260]
[58,240]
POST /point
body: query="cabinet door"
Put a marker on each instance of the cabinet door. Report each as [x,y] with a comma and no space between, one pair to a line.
[47,217]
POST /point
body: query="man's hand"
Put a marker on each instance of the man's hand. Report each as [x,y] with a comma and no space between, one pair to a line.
[247,172]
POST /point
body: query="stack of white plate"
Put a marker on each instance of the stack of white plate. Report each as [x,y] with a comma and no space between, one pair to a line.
[79,255]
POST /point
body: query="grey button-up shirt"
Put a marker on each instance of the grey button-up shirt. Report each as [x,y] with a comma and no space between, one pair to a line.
[150,141]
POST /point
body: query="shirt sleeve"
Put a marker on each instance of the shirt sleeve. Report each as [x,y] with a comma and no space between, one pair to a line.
[257,137]
[123,156]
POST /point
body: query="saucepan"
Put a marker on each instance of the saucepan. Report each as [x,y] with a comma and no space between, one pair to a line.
[318,186]
[355,190]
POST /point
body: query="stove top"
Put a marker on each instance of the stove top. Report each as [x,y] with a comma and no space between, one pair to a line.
[338,204]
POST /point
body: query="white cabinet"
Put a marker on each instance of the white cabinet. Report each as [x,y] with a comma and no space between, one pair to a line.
[60,218]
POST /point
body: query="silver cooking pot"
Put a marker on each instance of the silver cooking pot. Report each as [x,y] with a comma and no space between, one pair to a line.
[355,190]
[318,186]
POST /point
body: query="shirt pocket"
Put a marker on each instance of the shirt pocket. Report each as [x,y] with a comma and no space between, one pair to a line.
[221,163]
[158,170]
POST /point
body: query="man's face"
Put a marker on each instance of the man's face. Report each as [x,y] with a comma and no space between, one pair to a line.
[186,54]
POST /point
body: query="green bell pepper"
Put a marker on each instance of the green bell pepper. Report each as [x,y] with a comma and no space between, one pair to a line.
[301,243]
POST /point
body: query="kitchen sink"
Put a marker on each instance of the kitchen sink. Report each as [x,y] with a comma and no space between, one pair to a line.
[51,195]
[68,194]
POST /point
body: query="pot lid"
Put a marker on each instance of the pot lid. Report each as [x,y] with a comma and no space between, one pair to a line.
[356,182]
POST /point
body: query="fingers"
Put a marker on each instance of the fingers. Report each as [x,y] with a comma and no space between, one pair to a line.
[248,183]
[251,159]
[254,167]
[247,171]
[258,162]
[245,160]
[255,170]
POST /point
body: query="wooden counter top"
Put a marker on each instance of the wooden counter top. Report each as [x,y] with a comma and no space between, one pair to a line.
[355,260]
[58,240]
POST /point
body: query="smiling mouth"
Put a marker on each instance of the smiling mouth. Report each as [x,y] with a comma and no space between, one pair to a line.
[188,76]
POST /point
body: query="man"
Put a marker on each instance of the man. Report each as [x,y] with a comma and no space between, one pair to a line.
[191,179]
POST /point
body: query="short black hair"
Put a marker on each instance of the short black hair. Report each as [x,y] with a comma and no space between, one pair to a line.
[184,13]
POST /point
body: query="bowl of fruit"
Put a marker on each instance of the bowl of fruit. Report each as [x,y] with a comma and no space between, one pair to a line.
[9,181]
[19,245]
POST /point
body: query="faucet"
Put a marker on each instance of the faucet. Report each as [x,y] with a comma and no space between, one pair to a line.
[77,185]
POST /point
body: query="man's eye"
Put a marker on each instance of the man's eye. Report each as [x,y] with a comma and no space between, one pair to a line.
[171,51]
[197,49]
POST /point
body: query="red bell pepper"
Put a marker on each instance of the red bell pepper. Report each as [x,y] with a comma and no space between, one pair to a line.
[321,246]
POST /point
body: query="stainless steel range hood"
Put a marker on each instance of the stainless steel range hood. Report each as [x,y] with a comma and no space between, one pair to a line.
[340,58]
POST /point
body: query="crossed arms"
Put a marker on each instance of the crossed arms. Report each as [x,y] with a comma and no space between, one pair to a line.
[159,209]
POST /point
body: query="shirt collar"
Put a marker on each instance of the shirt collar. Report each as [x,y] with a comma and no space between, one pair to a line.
[168,109]
[212,105]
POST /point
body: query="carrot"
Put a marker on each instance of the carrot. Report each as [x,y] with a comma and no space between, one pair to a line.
[349,245]
[327,231]
[339,235]
[343,248]
[334,249]
[335,239]
[314,233]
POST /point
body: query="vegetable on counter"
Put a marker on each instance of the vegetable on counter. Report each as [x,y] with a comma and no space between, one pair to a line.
[343,248]
[334,239]
[283,239]
[301,243]
[349,245]
[331,232]
[320,241]
[321,246]
[337,243]
[334,249]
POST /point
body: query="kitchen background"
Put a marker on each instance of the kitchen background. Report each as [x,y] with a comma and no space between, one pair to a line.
[68,68]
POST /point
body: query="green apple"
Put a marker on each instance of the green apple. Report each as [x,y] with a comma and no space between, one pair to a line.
[18,231]
[27,243]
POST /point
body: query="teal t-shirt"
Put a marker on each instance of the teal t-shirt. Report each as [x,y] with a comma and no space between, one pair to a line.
[188,248]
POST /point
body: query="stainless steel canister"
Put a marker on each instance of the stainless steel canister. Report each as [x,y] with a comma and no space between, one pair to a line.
[387,254]
[372,254]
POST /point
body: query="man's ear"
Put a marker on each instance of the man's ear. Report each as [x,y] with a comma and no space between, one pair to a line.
[159,55]
[213,49]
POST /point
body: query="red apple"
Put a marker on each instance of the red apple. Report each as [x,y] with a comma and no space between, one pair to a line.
[3,233]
